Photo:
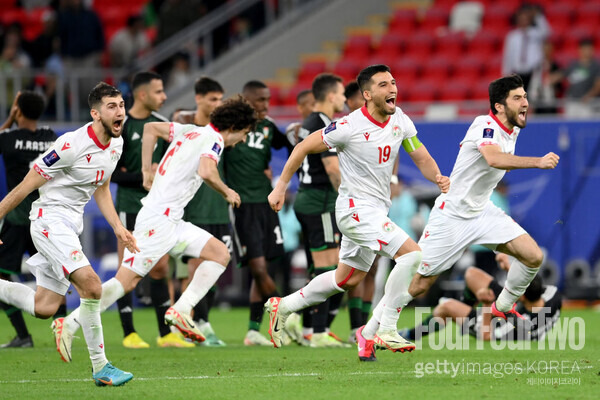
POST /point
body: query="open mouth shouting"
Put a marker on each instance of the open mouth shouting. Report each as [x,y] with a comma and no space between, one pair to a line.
[117,125]
[391,101]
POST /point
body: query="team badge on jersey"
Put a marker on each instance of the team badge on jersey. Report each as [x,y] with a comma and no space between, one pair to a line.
[488,133]
[388,226]
[147,263]
[76,255]
[51,158]
[330,128]
[266,132]
[114,156]
[216,148]
[396,131]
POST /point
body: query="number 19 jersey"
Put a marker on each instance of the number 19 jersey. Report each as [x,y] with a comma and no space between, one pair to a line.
[367,150]
[177,180]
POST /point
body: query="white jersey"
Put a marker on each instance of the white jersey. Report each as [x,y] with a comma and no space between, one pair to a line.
[367,152]
[177,180]
[74,166]
[472,179]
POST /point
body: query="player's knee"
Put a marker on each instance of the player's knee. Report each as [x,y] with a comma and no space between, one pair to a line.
[536,258]
[45,311]
[469,273]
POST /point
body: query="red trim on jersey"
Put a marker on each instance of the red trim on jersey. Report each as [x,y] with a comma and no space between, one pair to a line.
[40,171]
[93,136]
[171,132]
[65,272]
[214,127]
[370,118]
[505,129]
[211,156]
[351,203]
[487,144]
[381,243]
[167,211]
[323,140]
[442,206]
[346,279]
[40,212]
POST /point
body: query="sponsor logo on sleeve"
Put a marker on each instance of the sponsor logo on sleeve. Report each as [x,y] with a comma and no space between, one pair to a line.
[216,148]
[330,128]
[488,133]
[51,158]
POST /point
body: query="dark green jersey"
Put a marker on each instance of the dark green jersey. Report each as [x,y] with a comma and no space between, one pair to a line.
[245,164]
[316,194]
[19,148]
[207,207]
[128,174]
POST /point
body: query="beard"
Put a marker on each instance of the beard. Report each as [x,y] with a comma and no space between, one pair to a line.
[513,118]
[383,106]
[108,129]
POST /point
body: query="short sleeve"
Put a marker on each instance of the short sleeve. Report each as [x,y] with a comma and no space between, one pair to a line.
[484,135]
[213,148]
[409,127]
[57,158]
[337,134]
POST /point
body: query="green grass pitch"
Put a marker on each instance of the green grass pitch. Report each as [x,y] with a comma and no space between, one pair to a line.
[293,372]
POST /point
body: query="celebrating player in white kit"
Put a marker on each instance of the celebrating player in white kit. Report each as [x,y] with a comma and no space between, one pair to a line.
[465,215]
[190,160]
[367,142]
[78,165]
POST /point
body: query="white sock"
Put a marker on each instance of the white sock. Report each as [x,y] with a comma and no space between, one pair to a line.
[89,317]
[205,277]
[319,289]
[18,295]
[395,297]
[517,280]
[112,290]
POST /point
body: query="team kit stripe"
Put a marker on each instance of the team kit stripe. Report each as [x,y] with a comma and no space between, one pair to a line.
[411,144]
[327,227]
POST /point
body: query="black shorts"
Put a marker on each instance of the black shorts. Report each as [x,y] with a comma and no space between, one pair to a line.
[320,231]
[259,231]
[128,220]
[17,241]
[226,234]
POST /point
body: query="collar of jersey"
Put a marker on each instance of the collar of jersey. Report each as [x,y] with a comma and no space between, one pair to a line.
[370,118]
[214,128]
[93,136]
[500,124]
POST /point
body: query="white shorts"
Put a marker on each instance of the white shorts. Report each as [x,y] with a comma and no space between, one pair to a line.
[157,235]
[59,254]
[366,232]
[445,237]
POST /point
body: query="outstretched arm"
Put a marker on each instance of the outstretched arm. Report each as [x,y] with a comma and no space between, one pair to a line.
[31,182]
[429,168]
[152,131]
[210,175]
[311,145]
[495,158]
[105,204]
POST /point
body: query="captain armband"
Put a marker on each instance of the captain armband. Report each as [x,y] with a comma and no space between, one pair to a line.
[411,144]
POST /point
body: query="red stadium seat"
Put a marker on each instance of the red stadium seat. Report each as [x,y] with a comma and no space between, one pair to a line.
[451,45]
[420,45]
[403,20]
[485,44]
[559,13]
[311,69]
[469,67]
[422,91]
[434,20]
[455,90]
[438,68]
[391,42]
[358,46]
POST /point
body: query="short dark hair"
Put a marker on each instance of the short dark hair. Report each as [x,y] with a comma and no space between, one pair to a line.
[499,89]
[133,19]
[535,289]
[100,91]
[324,84]
[586,41]
[364,76]
[253,85]
[235,114]
[143,78]
[302,94]
[31,104]
[351,89]
[205,85]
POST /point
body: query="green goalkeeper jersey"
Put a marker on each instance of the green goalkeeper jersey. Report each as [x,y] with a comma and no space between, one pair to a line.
[130,191]
[207,207]
[245,164]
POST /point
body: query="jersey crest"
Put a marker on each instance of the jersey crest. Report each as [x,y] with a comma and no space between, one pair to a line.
[51,158]
[488,133]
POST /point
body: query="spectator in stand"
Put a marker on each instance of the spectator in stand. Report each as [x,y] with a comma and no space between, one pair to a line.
[81,35]
[180,73]
[545,86]
[175,15]
[13,58]
[583,82]
[41,48]
[523,45]
[128,43]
